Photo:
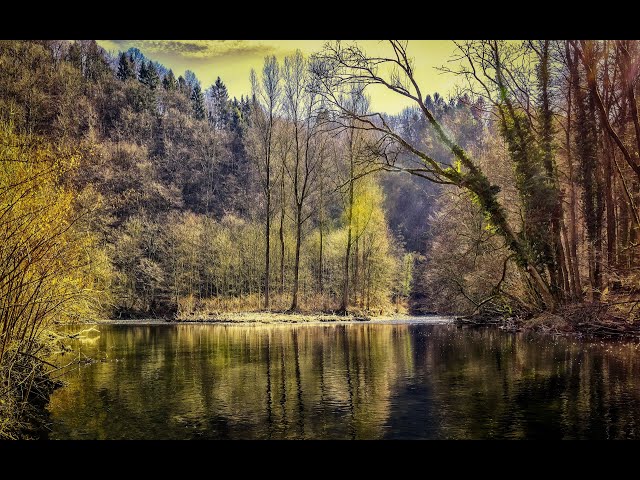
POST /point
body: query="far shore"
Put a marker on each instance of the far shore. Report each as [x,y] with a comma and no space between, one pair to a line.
[262,318]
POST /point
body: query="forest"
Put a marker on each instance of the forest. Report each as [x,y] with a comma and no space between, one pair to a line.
[128,190]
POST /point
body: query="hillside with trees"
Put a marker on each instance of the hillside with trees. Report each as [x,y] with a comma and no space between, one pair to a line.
[195,197]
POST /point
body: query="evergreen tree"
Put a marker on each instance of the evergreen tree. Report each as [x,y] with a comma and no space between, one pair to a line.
[191,80]
[245,106]
[183,87]
[169,82]
[74,55]
[149,75]
[143,74]
[197,101]
[220,111]
[96,65]
[126,68]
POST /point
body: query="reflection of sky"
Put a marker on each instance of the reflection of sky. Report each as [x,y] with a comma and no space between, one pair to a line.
[233,59]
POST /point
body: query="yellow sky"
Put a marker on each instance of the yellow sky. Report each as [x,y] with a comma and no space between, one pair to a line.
[233,59]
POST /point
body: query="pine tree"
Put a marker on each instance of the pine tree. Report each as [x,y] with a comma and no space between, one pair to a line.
[169,82]
[183,87]
[74,55]
[143,74]
[96,65]
[126,69]
[191,79]
[219,104]
[197,100]
[149,75]
[154,78]
[245,106]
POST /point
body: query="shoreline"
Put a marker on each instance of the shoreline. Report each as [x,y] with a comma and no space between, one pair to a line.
[262,319]
[552,324]
[544,323]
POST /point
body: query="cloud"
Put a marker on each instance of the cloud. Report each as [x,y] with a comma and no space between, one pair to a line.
[199,49]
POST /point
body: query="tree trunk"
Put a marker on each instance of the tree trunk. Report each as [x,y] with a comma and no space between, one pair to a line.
[296,266]
[356,271]
[281,232]
[321,230]
[556,265]
[610,205]
[568,264]
[344,306]
[598,205]
[573,204]
[267,254]
[320,263]
[623,232]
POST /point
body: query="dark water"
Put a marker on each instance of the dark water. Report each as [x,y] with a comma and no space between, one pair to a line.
[364,381]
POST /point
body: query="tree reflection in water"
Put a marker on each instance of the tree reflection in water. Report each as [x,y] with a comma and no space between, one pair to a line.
[356,381]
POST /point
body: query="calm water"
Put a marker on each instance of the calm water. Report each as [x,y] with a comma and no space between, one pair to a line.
[365,381]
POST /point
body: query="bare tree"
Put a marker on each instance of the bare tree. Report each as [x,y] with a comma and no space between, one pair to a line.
[340,65]
[353,149]
[301,101]
[266,98]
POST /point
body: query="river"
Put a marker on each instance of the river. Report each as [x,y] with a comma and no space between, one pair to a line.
[355,381]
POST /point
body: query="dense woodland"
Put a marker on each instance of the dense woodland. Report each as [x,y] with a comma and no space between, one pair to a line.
[127,189]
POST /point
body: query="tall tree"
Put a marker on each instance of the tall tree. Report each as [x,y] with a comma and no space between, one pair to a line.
[266,94]
[169,81]
[126,67]
[300,102]
[149,75]
[357,102]
[183,87]
[219,113]
[197,103]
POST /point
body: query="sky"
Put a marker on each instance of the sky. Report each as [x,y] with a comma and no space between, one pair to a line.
[232,61]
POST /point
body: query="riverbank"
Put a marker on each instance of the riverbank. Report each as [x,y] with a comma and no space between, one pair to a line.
[269,318]
[585,319]
[26,388]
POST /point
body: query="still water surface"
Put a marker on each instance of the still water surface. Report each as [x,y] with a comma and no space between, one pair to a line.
[356,381]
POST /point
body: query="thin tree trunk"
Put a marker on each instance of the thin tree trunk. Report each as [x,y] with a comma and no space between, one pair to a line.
[573,204]
[567,275]
[281,231]
[321,230]
[610,206]
[321,263]
[356,270]
[598,207]
[296,266]
[623,232]
[347,258]
[267,253]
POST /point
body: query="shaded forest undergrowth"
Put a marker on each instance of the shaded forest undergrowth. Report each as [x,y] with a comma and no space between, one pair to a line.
[616,318]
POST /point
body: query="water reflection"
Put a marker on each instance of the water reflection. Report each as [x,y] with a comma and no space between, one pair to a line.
[346,381]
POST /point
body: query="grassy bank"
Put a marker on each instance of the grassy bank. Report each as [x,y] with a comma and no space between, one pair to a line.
[269,317]
[248,309]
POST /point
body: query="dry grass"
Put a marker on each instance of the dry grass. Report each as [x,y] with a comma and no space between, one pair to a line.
[270,317]
[250,308]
